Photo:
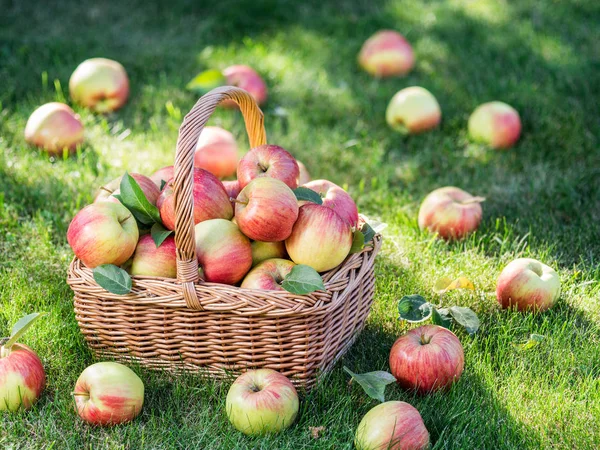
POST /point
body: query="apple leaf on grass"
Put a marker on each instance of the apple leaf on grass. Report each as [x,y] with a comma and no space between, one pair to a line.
[446,284]
[358,242]
[135,200]
[465,317]
[414,309]
[21,327]
[159,233]
[304,193]
[533,341]
[373,383]
[302,280]
[206,81]
[441,317]
[113,279]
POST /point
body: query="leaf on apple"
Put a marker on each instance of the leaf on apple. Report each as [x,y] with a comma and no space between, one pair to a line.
[159,233]
[533,341]
[368,232]
[466,317]
[113,279]
[373,383]
[414,309]
[135,200]
[304,193]
[21,327]
[358,242]
[162,184]
[118,197]
[206,81]
[446,284]
[302,280]
[441,317]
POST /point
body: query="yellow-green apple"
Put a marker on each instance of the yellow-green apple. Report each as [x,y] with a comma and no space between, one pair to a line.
[267,250]
[103,233]
[262,401]
[247,79]
[495,124]
[153,261]
[304,175]
[392,426]
[450,212]
[217,152]
[108,393]
[528,284]
[22,377]
[54,127]
[210,200]
[164,174]
[224,253]
[99,84]
[336,198]
[110,189]
[413,110]
[320,238]
[427,358]
[386,53]
[268,275]
[268,161]
[266,210]
[232,187]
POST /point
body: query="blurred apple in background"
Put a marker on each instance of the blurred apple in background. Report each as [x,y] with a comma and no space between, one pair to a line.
[164,174]
[103,233]
[262,401]
[217,152]
[413,110]
[223,252]
[108,393]
[210,200]
[99,84]
[22,377]
[336,198]
[528,284]
[392,426]
[268,161]
[386,53]
[267,250]
[149,260]
[266,210]
[495,124]
[450,212]
[111,188]
[320,238]
[248,79]
[268,275]
[304,175]
[54,127]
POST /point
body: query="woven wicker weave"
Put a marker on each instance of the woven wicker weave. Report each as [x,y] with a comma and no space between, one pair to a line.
[219,329]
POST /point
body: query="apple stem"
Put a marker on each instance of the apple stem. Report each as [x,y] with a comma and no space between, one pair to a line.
[263,168]
[425,339]
[4,351]
[80,394]
[231,199]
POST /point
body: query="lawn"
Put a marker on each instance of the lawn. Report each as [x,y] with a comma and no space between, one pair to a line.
[543,198]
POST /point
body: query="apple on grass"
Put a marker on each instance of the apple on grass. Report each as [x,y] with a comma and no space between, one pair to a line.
[386,53]
[528,284]
[163,174]
[336,198]
[149,260]
[99,84]
[217,152]
[22,377]
[495,124]
[267,250]
[108,393]
[320,238]
[413,110]
[54,127]
[268,161]
[392,425]
[248,79]
[103,233]
[261,401]
[268,275]
[450,212]
[427,358]
[110,189]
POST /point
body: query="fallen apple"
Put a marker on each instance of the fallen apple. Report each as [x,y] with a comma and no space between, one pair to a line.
[54,127]
[413,110]
[268,161]
[247,79]
[99,84]
[336,198]
[217,152]
[495,124]
[386,53]
[268,275]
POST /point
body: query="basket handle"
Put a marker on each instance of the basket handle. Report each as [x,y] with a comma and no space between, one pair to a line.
[183,183]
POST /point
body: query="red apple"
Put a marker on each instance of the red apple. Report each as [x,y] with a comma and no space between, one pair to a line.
[427,358]
[320,238]
[267,250]
[22,377]
[450,212]
[110,189]
[528,284]
[224,253]
[304,175]
[163,174]
[99,84]
[149,260]
[247,79]
[392,426]
[266,210]
[261,401]
[268,161]
[210,200]
[386,53]
[103,233]
[233,190]
[413,110]
[495,124]
[217,152]
[54,127]
[108,393]
[268,275]
[336,198]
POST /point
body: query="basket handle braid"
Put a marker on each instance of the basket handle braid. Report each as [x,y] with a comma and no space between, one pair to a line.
[192,126]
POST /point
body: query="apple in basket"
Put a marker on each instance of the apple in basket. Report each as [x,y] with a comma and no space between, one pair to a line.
[108,393]
[386,53]
[337,199]
[153,261]
[109,190]
[248,79]
[232,187]
[210,200]
[495,124]
[99,84]
[163,174]
[268,275]
[103,233]
[261,401]
[54,127]
[268,161]
[267,250]
[217,152]
[413,110]
[304,175]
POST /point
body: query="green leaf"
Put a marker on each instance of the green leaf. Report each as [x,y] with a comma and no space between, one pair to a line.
[368,232]
[302,280]
[414,309]
[162,184]
[465,317]
[21,327]
[533,341]
[304,193]
[134,199]
[113,279]
[206,81]
[441,317]
[373,383]
[358,242]
[159,233]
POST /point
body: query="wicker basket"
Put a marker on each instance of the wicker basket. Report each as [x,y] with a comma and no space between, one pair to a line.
[184,323]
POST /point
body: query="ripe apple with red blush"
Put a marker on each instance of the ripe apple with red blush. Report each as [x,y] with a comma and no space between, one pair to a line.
[495,124]
[387,53]
[163,174]
[268,161]
[99,84]
[110,189]
[22,377]
[268,275]
[54,127]
[246,78]
[152,261]
[413,110]
[217,152]
[336,198]
[267,250]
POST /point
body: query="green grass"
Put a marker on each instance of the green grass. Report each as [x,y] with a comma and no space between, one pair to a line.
[543,197]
